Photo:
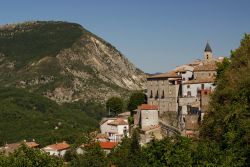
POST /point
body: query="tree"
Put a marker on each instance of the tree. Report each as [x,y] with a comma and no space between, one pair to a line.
[94,156]
[114,105]
[128,153]
[222,67]
[228,119]
[135,100]
[28,157]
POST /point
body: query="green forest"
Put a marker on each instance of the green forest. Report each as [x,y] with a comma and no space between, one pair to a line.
[25,115]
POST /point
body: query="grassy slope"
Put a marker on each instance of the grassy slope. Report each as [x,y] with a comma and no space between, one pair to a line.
[25,115]
[33,41]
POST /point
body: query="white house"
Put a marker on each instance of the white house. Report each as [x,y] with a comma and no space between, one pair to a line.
[115,128]
[191,88]
[149,115]
[186,72]
[58,149]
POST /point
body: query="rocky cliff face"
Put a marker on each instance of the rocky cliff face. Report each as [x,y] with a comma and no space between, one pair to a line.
[87,67]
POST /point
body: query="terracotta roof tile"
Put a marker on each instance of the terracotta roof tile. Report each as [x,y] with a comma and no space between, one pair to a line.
[59,146]
[148,107]
[32,144]
[118,121]
[108,145]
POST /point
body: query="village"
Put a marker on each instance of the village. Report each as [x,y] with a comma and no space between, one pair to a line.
[176,104]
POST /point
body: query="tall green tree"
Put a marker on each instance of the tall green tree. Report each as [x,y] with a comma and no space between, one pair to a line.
[136,99]
[228,119]
[114,105]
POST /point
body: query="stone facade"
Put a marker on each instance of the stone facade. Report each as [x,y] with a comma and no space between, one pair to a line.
[163,91]
[184,91]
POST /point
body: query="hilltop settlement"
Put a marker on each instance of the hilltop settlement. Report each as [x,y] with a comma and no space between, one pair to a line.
[176,104]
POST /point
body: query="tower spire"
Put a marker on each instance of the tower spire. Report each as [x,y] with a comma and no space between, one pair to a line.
[208,55]
[208,48]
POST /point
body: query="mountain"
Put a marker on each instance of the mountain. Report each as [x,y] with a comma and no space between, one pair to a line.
[64,62]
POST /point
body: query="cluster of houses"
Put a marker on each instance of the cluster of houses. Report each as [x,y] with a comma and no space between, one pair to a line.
[182,94]
[146,117]
[57,149]
[178,99]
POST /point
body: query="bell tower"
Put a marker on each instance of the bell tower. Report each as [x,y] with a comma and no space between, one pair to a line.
[208,54]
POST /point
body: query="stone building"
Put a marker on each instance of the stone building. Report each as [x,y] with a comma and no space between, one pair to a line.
[185,90]
[163,90]
[147,118]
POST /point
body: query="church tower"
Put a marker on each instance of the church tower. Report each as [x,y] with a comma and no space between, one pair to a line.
[208,54]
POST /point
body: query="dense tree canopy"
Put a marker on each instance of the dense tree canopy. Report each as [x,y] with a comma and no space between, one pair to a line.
[29,157]
[114,105]
[228,119]
[136,99]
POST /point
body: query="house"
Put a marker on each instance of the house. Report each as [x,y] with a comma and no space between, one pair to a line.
[124,115]
[163,90]
[147,118]
[149,115]
[10,148]
[58,149]
[184,90]
[108,146]
[102,137]
[115,128]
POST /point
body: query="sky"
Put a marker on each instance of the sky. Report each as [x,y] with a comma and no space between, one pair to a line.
[155,35]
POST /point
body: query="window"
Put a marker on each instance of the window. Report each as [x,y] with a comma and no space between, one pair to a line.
[189,94]
[207,57]
[188,86]
[157,95]
[162,95]
[151,94]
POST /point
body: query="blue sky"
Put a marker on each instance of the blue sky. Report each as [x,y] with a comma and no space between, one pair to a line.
[155,35]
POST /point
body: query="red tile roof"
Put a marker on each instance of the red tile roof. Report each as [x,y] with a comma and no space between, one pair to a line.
[108,145]
[59,146]
[118,121]
[32,144]
[148,107]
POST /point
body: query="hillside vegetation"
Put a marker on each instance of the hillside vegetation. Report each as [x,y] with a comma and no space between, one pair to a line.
[25,115]
[64,62]
[24,43]
[228,119]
